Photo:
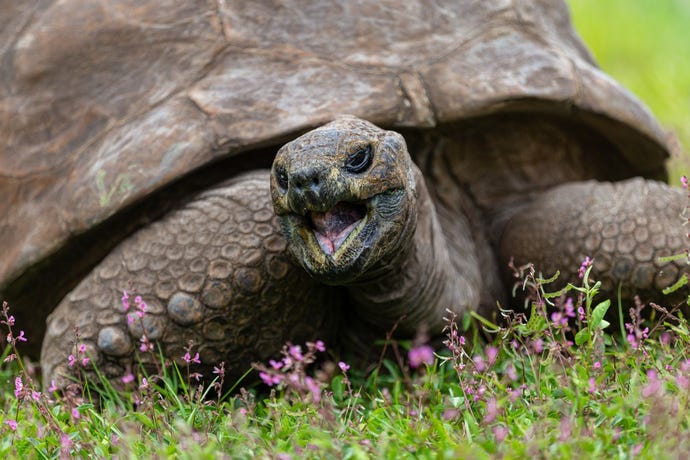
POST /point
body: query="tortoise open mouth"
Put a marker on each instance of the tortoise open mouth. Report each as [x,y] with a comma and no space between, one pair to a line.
[331,228]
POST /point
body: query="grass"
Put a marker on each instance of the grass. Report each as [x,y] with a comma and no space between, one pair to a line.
[563,384]
[644,45]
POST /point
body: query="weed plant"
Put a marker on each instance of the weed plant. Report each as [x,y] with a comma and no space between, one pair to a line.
[559,383]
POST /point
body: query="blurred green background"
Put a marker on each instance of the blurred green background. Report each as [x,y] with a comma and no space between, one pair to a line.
[645,45]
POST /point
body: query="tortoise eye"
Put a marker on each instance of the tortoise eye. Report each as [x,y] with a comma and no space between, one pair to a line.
[281,177]
[360,160]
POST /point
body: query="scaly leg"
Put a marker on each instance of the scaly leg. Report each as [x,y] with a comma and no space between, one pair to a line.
[215,272]
[625,227]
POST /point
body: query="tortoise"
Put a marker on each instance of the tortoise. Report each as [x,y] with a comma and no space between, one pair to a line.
[425,147]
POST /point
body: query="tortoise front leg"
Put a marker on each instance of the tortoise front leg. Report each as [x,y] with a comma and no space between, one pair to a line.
[215,272]
[625,227]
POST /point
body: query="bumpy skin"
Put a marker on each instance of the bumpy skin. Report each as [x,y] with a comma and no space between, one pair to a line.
[625,227]
[395,262]
[215,272]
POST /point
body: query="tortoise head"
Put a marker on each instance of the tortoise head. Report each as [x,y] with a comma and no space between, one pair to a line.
[345,194]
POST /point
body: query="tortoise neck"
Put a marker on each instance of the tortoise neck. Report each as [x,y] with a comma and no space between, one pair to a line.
[415,286]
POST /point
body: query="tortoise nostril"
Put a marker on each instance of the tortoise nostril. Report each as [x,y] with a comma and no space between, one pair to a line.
[306,180]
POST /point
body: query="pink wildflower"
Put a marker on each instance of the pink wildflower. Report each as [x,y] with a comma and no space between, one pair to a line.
[491,354]
[12,424]
[558,319]
[583,267]
[10,321]
[450,414]
[685,365]
[146,345]
[491,410]
[75,413]
[125,300]
[141,307]
[21,337]
[275,364]
[569,308]
[566,429]
[683,382]
[500,432]
[270,379]
[538,346]
[320,346]
[343,366]
[296,352]
[35,395]
[220,369]
[71,360]
[188,358]
[479,363]
[592,385]
[127,378]
[18,387]
[422,354]
[52,386]
[653,386]
[597,365]
[66,442]
[314,388]
[510,372]
[684,181]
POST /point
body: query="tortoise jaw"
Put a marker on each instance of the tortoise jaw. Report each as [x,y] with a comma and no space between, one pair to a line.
[333,227]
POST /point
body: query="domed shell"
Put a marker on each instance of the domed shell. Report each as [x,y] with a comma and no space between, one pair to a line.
[104,103]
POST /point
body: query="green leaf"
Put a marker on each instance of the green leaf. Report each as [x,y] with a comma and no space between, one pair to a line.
[544,281]
[338,387]
[582,336]
[536,323]
[598,314]
[672,258]
[466,321]
[560,292]
[677,285]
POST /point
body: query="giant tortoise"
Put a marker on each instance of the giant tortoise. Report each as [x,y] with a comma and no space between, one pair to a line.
[137,141]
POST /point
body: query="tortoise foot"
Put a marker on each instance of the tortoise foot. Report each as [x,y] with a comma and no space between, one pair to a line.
[214,273]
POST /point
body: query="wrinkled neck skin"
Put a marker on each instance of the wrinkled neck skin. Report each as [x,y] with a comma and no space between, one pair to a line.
[416,284]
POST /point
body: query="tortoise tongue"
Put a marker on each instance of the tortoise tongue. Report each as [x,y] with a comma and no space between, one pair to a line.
[333,226]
